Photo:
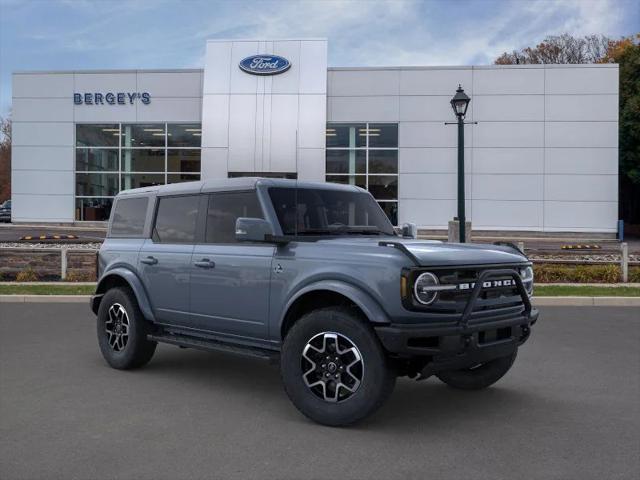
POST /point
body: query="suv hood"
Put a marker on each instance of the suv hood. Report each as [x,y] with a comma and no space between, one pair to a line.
[435,253]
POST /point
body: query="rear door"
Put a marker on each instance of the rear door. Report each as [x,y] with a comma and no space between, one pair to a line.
[230,280]
[165,258]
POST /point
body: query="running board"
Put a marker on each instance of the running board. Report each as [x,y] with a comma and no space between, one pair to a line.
[214,345]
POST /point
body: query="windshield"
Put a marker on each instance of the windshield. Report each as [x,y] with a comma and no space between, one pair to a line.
[328,212]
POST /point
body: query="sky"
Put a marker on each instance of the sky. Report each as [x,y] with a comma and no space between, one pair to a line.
[110,34]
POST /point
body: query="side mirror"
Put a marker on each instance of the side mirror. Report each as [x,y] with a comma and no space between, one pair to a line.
[410,230]
[252,229]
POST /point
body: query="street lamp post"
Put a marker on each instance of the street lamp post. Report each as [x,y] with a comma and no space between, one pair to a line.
[460,103]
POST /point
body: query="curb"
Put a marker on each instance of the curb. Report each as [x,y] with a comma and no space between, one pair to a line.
[537,301]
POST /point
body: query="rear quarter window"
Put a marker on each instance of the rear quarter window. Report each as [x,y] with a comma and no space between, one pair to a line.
[129,216]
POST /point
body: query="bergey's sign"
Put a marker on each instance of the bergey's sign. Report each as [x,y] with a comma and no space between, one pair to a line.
[265,64]
[110,98]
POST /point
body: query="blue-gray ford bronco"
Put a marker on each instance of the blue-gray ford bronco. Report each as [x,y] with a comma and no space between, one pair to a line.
[314,277]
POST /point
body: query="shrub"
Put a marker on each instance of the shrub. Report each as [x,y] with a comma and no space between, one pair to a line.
[80,277]
[27,275]
[634,274]
[550,273]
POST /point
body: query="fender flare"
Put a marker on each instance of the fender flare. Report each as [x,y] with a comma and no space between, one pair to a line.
[136,286]
[369,306]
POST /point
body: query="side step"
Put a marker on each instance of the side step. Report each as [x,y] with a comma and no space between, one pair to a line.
[215,345]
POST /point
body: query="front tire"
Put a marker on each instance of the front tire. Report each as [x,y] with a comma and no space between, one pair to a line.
[333,367]
[122,331]
[480,376]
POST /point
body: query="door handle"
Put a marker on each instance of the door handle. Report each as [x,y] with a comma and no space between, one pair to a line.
[205,263]
[149,260]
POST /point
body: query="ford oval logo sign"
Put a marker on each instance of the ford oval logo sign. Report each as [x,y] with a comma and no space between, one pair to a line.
[265,64]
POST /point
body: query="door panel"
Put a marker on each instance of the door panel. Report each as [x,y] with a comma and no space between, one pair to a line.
[165,270]
[231,297]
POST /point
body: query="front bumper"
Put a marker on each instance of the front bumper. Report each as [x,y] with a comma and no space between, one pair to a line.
[471,338]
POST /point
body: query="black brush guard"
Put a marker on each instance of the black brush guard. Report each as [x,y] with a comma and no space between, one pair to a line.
[461,343]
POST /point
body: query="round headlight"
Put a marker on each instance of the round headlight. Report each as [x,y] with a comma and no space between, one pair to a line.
[423,288]
[527,279]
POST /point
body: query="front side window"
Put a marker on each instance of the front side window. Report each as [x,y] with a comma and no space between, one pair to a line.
[307,211]
[129,217]
[176,219]
[365,155]
[223,211]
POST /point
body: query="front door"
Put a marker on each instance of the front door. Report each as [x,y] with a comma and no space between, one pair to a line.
[165,259]
[230,280]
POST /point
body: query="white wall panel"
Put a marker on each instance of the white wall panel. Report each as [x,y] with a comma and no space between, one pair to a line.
[581,134]
[42,110]
[435,81]
[432,160]
[43,85]
[374,109]
[170,84]
[508,108]
[105,113]
[508,80]
[311,126]
[508,187]
[215,121]
[42,208]
[45,182]
[429,213]
[581,108]
[596,161]
[241,82]
[588,188]
[581,216]
[217,79]
[289,81]
[42,158]
[284,122]
[105,82]
[242,139]
[313,67]
[581,80]
[214,163]
[364,82]
[505,134]
[42,134]
[431,186]
[505,215]
[311,164]
[428,108]
[431,134]
[171,110]
[508,160]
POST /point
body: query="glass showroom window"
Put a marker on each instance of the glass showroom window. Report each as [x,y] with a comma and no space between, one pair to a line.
[366,155]
[115,157]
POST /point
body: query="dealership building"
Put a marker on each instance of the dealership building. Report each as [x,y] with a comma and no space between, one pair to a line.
[541,143]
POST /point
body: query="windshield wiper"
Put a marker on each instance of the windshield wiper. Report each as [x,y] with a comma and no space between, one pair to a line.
[342,230]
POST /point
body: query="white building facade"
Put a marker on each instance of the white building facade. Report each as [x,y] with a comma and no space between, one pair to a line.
[543,155]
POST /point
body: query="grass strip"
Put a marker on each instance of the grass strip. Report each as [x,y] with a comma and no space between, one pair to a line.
[47,289]
[541,290]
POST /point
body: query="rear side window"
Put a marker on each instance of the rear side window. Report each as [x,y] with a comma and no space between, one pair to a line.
[223,211]
[129,216]
[176,219]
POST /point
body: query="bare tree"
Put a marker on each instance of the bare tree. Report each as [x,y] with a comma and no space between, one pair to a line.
[5,158]
[563,48]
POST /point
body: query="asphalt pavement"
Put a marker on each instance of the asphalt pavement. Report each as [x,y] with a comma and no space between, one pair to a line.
[569,409]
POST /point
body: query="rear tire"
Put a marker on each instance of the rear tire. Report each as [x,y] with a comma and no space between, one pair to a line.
[480,376]
[122,331]
[333,367]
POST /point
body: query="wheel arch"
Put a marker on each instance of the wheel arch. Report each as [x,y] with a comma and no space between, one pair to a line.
[330,293]
[122,277]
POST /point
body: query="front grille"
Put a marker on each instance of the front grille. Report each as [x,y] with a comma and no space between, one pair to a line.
[500,296]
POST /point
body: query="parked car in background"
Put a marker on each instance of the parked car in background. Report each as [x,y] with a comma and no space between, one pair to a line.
[313,276]
[5,211]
